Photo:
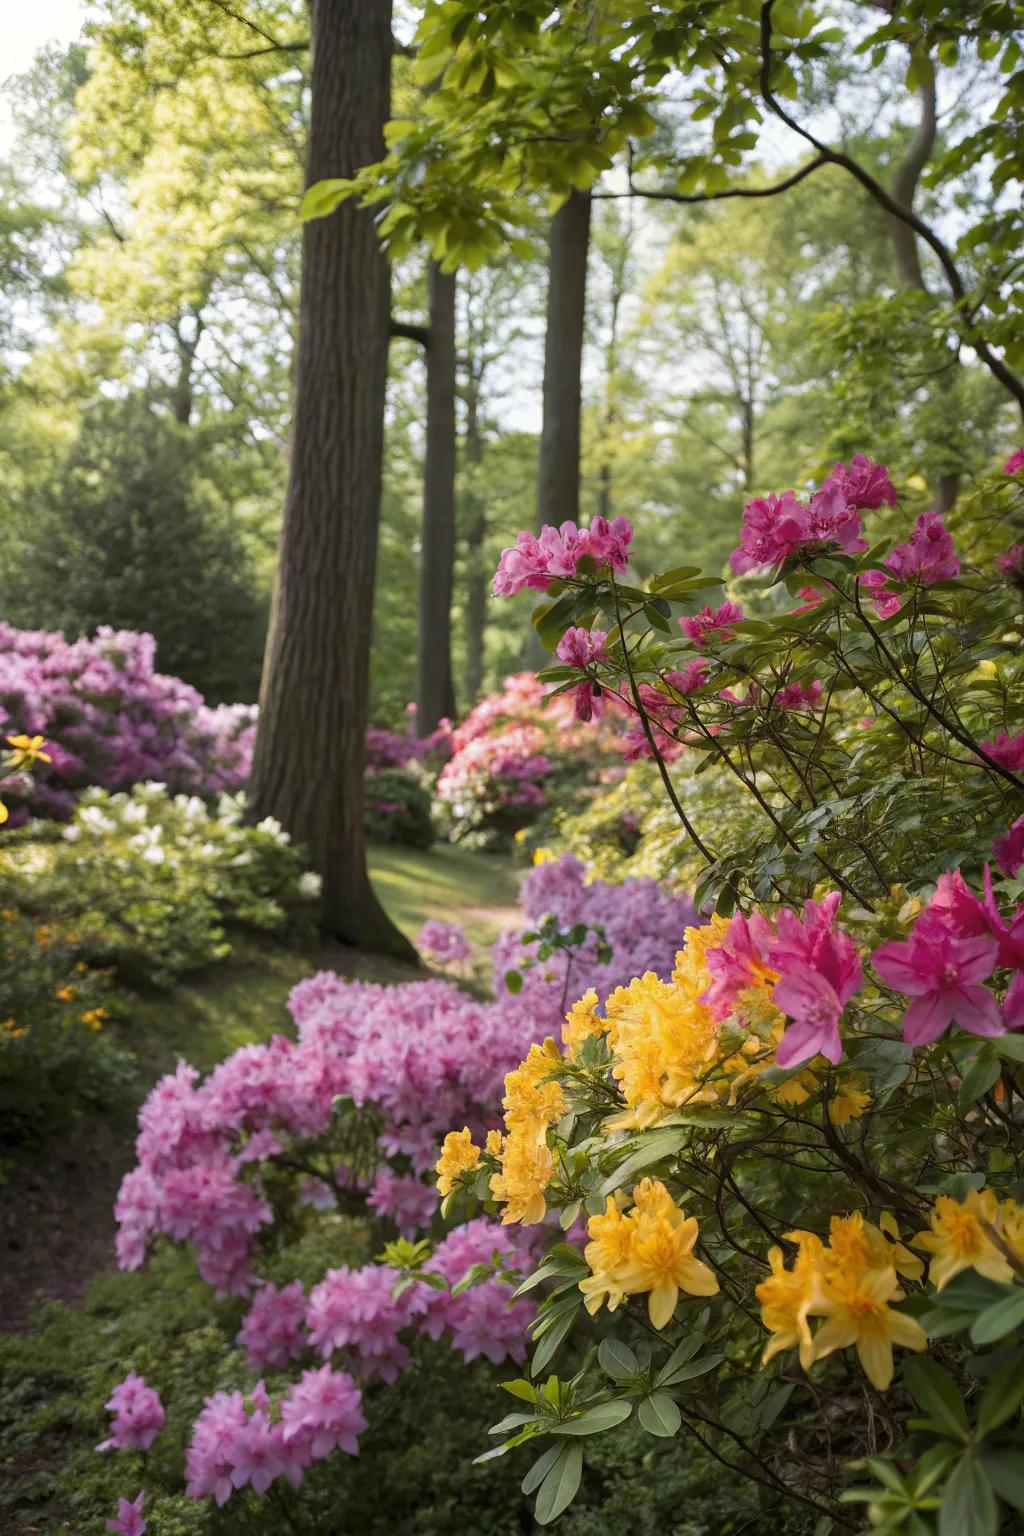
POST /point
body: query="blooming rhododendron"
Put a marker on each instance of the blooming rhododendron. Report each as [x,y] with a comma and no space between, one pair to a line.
[444,941]
[705,625]
[928,556]
[129,1521]
[777,527]
[1015,463]
[1011,562]
[1008,848]
[138,1415]
[1006,750]
[537,561]
[943,974]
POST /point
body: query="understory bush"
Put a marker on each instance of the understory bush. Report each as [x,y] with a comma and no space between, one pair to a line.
[398,807]
[798,1151]
[151,882]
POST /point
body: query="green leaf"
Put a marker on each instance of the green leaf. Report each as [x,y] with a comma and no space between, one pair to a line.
[660,1415]
[968,1505]
[595,1420]
[694,1368]
[1006,1474]
[684,1351]
[1002,1396]
[558,1489]
[617,1360]
[999,1319]
[540,1469]
[981,1076]
[937,1393]
[548,1346]
[324,196]
[520,1388]
[653,1147]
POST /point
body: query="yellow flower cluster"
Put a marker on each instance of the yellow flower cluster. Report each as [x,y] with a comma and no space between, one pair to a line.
[458,1156]
[532,1102]
[25,750]
[646,1250]
[849,1282]
[976,1233]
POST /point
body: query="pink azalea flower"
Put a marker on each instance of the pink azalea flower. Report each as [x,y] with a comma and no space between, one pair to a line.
[582,647]
[691,677]
[819,972]
[138,1415]
[928,556]
[129,1521]
[444,941]
[800,696]
[943,974]
[773,527]
[701,627]
[812,598]
[738,961]
[886,601]
[1012,562]
[1007,751]
[537,561]
[865,485]
[1015,463]
[1009,848]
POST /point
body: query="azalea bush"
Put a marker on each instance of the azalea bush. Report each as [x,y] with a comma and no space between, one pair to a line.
[152,883]
[398,807]
[517,756]
[798,1150]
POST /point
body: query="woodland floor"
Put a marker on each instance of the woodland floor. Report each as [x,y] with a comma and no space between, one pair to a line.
[56,1203]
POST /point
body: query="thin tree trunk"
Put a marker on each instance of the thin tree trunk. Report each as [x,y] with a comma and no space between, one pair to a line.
[308,765]
[558,477]
[475,524]
[435,694]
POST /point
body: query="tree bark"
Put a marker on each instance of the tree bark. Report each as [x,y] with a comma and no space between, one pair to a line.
[475,524]
[308,763]
[558,477]
[435,694]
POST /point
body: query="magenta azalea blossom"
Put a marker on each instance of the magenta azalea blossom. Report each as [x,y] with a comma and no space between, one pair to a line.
[1012,562]
[702,626]
[689,678]
[943,973]
[535,561]
[928,556]
[1007,751]
[129,1521]
[819,972]
[814,1008]
[1009,848]
[582,647]
[865,485]
[738,961]
[138,1415]
[886,601]
[1015,463]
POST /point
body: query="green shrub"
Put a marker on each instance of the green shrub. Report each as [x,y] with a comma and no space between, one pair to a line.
[150,882]
[398,808]
[56,1056]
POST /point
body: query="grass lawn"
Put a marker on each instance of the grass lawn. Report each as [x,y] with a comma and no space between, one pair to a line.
[477,890]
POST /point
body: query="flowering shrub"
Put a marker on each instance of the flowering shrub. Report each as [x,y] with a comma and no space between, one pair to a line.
[148,881]
[398,808]
[110,720]
[516,756]
[798,1154]
[56,1054]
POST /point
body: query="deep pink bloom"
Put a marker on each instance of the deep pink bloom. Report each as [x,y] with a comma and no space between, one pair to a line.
[129,1521]
[537,561]
[582,647]
[865,485]
[1012,562]
[928,556]
[739,961]
[1009,848]
[689,678]
[701,627]
[773,526]
[138,1415]
[1007,751]
[943,973]
[886,601]
[800,696]
[1015,463]
[819,972]
[812,598]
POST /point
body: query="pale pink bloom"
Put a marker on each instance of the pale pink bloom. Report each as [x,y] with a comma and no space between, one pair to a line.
[705,625]
[943,974]
[138,1415]
[129,1521]
[928,556]
[536,561]
[1015,463]
[444,941]
[1009,848]
[1007,751]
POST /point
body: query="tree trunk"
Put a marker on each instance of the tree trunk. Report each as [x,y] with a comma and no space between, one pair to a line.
[308,764]
[435,694]
[558,477]
[475,524]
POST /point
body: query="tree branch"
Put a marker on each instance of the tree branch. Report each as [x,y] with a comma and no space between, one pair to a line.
[410,331]
[896,210]
[666,195]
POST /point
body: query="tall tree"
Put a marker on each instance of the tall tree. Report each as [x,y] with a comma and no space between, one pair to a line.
[558,472]
[308,764]
[435,694]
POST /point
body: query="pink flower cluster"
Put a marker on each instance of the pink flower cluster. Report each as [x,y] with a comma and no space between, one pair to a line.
[238,1442]
[535,562]
[928,556]
[1007,751]
[444,942]
[129,1521]
[110,719]
[583,649]
[138,1415]
[483,1320]
[777,527]
[705,626]
[387,749]
[642,922]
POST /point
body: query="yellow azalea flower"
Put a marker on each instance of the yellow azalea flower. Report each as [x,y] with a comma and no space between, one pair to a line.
[526,1168]
[958,1238]
[582,1021]
[494,1142]
[66,992]
[665,1042]
[542,856]
[786,1299]
[458,1156]
[857,1244]
[661,1263]
[855,1306]
[608,1253]
[26,750]
[528,1097]
[848,1104]
[796,1089]
[4,813]
[93,1017]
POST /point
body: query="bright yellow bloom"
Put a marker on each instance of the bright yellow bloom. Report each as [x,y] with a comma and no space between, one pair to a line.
[66,992]
[26,750]
[848,1104]
[649,1250]
[786,1299]
[494,1142]
[664,1040]
[526,1168]
[93,1017]
[458,1156]
[858,1244]
[796,1089]
[959,1240]
[530,1099]
[4,813]
[581,1022]
[856,1311]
